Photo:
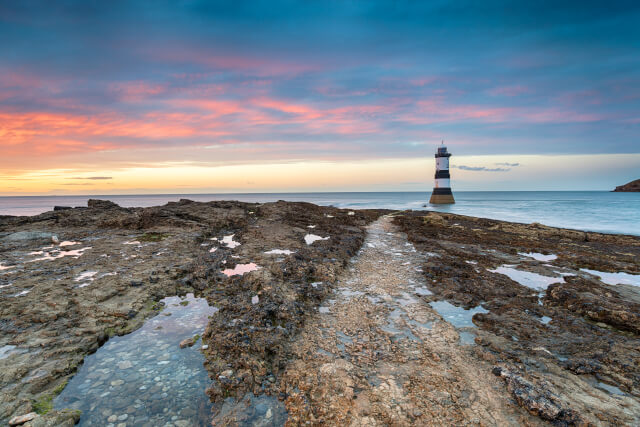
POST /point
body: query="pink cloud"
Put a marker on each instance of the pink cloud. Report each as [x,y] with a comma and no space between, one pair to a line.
[136,90]
[259,66]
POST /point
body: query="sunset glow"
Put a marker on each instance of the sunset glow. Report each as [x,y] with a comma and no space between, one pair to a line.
[213,98]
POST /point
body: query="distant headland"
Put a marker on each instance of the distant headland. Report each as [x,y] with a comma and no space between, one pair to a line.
[630,186]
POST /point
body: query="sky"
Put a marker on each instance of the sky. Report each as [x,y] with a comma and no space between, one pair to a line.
[130,97]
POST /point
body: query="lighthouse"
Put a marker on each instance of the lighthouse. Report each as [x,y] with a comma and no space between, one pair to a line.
[442,191]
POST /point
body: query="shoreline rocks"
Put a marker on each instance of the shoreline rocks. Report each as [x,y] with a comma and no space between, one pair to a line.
[552,344]
[633,186]
[561,335]
[141,255]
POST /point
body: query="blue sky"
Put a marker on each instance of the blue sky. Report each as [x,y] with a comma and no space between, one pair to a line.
[122,89]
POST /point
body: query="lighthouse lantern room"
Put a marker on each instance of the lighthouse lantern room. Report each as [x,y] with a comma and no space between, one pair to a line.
[442,191]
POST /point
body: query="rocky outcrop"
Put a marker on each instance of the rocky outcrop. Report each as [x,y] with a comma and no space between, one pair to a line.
[596,303]
[572,349]
[537,400]
[559,344]
[102,204]
[51,317]
[633,186]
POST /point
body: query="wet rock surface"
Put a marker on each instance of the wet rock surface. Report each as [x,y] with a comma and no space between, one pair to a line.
[318,316]
[106,269]
[376,353]
[565,343]
[147,378]
[262,311]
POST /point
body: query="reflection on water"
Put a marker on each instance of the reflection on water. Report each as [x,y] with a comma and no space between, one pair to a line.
[240,269]
[5,267]
[280,252]
[228,241]
[6,350]
[538,256]
[467,338]
[615,278]
[145,378]
[457,316]
[50,253]
[310,238]
[526,278]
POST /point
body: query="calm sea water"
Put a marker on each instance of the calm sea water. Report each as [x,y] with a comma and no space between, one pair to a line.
[583,210]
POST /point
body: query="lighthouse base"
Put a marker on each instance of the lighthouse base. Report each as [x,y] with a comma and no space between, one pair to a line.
[441,196]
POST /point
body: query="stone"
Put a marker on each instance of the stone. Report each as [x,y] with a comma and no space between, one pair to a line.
[28,235]
[62,208]
[112,418]
[102,204]
[188,342]
[117,383]
[21,419]
[125,365]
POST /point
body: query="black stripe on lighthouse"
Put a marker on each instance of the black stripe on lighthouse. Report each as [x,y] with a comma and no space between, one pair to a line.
[443,174]
[442,191]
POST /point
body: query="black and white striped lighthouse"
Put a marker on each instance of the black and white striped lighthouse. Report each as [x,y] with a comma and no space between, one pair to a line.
[442,191]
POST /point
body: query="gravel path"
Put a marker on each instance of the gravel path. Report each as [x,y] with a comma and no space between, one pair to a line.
[378,354]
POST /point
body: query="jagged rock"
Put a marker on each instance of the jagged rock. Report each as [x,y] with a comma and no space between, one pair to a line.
[535,399]
[102,204]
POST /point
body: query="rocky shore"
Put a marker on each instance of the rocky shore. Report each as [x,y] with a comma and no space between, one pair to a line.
[72,278]
[329,316]
[633,186]
[566,343]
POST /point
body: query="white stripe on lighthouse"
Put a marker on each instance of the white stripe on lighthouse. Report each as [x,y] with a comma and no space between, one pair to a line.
[443,183]
[442,163]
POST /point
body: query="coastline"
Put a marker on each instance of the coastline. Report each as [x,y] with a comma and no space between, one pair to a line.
[599,211]
[548,370]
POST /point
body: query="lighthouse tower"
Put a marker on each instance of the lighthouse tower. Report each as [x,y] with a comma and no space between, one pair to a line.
[442,191]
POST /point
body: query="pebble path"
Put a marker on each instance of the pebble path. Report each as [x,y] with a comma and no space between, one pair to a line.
[378,354]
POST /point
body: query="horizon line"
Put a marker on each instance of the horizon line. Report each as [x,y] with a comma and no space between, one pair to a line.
[308,192]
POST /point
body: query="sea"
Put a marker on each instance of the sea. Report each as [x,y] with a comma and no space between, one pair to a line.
[601,211]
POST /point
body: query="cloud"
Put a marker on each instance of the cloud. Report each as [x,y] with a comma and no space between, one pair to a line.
[96,178]
[508,164]
[191,76]
[481,168]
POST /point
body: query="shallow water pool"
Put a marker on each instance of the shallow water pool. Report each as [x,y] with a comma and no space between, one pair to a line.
[527,278]
[457,316]
[145,378]
[615,278]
